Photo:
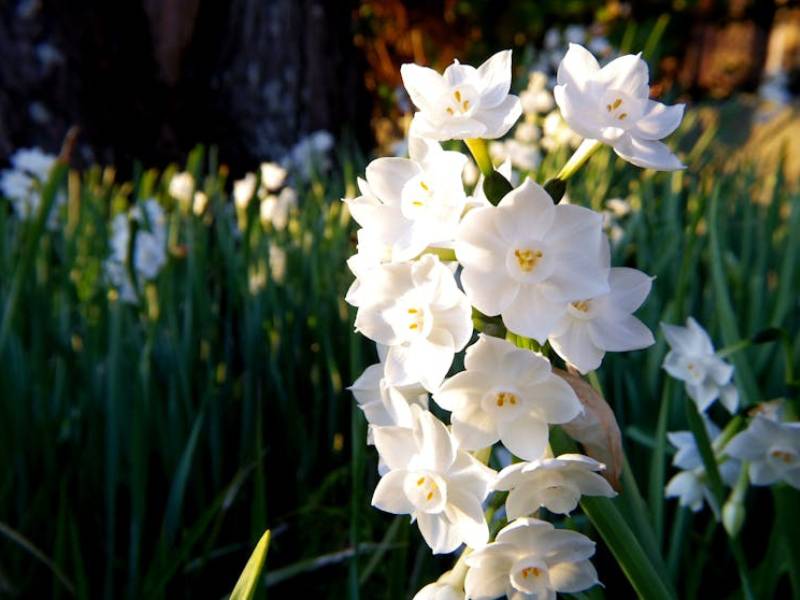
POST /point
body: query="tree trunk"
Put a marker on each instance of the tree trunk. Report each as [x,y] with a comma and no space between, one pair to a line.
[148,79]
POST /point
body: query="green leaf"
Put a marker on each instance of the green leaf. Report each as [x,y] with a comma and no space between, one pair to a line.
[786,502]
[495,186]
[246,586]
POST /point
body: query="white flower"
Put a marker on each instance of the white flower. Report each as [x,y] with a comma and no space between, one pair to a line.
[531,560]
[181,187]
[692,360]
[523,156]
[412,203]
[690,485]
[277,262]
[438,484]
[527,133]
[384,404]
[272,176]
[612,104]
[418,311]
[243,191]
[464,102]
[592,327]
[554,483]
[526,258]
[23,184]
[772,450]
[310,154]
[506,394]
[199,203]
[536,102]
[556,133]
[149,248]
[439,591]
[275,209]
[372,252]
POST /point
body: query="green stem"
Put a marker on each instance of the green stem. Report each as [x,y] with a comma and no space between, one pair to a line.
[445,254]
[480,152]
[582,154]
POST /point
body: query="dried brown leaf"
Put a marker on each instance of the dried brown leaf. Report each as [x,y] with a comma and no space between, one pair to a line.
[596,429]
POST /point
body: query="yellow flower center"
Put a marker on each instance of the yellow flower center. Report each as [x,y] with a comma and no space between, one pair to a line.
[581,305]
[615,105]
[527,259]
[534,571]
[786,457]
[506,398]
[461,104]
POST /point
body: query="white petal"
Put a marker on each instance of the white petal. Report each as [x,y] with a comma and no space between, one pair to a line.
[746,446]
[495,75]
[438,532]
[525,436]
[436,448]
[478,244]
[396,445]
[762,473]
[487,354]
[578,111]
[424,85]
[458,74]
[371,323]
[526,534]
[522,501]
[452,129]
[568,577]
[575,346]
[499,119]
[658,120]
[387,176]
[389,495]
[466,387]
[647,154]
[532,314]
[629,288]
[525,213]
[627,74]
[554,401]
[431,359]
[474,428]
[620,334]
[489,292]
[729,397]
[489,580]
[466,514]
[577,67]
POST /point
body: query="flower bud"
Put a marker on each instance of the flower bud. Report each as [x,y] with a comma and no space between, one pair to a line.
[733,514]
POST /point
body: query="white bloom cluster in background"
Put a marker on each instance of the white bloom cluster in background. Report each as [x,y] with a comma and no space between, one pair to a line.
[432,262]
[765,452]
[138,259]
[22,185]
[276,199]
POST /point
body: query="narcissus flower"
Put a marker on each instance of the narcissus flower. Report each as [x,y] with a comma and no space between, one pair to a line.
[438,484]
[692,360]
[554,483]
[594,326]
[439,591]
[149,248]
[23,184]
[772,450]
[384,404]
[526,259]
[506,394]
[690,485]
[410,204]
[464,102]
[181,187]
[418,311]
[612,104]
[531,559]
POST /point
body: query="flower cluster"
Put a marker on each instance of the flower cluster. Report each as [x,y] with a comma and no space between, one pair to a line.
[766,452]
[431,264]
[22,185]
[138,249]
